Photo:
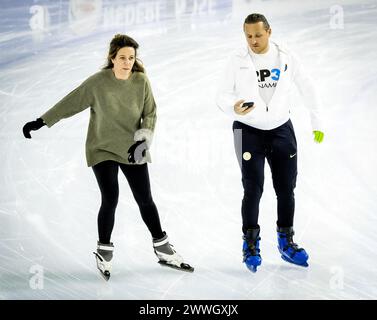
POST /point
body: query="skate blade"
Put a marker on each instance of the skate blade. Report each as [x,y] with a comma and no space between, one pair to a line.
[304,264]
[105,275]
[253,269]
[184,266]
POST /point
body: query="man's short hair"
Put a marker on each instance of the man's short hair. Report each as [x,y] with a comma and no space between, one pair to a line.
[257,17]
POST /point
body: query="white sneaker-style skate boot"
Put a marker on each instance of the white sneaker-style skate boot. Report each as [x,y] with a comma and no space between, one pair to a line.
[167,256]
[104,255]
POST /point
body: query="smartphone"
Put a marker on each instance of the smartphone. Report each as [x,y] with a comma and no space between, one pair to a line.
[248,105]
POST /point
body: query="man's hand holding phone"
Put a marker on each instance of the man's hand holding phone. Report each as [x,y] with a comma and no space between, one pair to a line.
[241,107]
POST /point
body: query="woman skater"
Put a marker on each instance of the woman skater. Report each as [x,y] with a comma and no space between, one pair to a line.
[122,120]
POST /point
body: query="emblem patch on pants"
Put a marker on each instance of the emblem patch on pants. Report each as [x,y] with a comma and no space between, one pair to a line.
[246,156]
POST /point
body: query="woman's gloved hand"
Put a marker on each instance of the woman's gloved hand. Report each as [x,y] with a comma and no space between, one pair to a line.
[32,125]
[144,134]
[137,151]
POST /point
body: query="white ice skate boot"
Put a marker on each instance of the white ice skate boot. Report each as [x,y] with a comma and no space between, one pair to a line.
[104,255]
[167,256]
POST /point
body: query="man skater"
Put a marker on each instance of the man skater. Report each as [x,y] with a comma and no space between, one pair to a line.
[255,91]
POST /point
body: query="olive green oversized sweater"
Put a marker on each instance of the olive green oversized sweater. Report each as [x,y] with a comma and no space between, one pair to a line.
[118,108]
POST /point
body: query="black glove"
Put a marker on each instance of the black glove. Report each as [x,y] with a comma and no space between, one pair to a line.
[137,151]
[32,125]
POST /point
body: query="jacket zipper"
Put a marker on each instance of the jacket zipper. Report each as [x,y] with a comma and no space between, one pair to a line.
[266,108]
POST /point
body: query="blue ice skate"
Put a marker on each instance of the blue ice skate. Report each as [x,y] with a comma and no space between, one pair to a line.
[251,251]
[289,250]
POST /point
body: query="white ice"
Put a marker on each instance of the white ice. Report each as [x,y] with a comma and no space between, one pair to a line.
[49,198]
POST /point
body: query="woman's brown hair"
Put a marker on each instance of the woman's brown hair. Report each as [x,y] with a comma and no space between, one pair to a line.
[118,42]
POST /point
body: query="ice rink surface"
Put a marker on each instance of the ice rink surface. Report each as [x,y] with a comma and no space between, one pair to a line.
[49,198]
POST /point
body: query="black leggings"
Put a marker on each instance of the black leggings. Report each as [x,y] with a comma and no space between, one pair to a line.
[106,173]
[279,147]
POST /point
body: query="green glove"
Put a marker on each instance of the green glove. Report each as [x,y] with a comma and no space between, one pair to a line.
[318,136]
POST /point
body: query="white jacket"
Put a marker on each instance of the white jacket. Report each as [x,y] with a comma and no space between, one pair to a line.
[240,82]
